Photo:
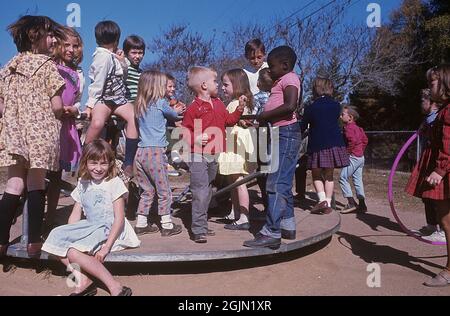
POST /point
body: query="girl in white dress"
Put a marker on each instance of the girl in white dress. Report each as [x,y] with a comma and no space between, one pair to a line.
[86,243]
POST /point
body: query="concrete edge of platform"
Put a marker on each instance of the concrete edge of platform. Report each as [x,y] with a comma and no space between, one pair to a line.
[19,251]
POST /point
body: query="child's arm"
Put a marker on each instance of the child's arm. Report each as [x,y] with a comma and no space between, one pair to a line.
[100,68]
[116,229]
[288,108]
[75,216]
[57,104]
[232,119]
[443,160]
[172,113]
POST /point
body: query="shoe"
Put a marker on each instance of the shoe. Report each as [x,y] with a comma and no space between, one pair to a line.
[171,172]
[319,208]
[175,230]
[425,230]
[263,241]
[235,226]
[362,208]
[437,236]
[91,290]
[3,251]
[126,291]
[349,208]
[440,280]
[199,238]
[210,232]
[149,229]
[288,234]
[34,250]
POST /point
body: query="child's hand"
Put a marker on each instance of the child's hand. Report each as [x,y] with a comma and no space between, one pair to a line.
[434,179]
[202,139]
[180,107]
[120,54]
[242,103]
[245,123]
[101,255]
[71,111]
[88,113]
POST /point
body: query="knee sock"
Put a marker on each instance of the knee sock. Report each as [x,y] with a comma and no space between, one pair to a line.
[8,208]
[131,146]
[36,209]
[322,196]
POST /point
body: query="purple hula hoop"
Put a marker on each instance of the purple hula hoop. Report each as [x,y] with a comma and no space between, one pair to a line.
[391,194]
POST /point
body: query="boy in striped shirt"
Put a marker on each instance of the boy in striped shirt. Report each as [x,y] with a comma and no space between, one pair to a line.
[134,48]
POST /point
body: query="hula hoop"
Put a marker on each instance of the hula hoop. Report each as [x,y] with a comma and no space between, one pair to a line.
[391,195]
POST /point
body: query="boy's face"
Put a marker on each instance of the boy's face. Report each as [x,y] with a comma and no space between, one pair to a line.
[257,59]
[135,56]
[170,90]
[211,84]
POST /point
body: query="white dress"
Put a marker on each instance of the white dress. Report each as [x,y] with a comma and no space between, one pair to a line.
[90,234]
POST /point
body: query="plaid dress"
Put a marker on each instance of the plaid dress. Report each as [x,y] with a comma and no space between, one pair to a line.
[435,157]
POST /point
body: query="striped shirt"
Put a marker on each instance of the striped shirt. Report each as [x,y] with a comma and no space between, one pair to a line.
[132,83]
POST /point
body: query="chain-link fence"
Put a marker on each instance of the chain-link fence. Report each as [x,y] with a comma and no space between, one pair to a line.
[384,147]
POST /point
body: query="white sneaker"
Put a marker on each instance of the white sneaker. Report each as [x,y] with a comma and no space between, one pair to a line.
[426,230]
[437,236]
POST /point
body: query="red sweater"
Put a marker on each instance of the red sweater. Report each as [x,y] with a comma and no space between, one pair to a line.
[356,139]
[204,117]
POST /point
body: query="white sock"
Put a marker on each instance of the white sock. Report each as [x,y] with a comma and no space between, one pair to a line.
[329,202]
[231,215]
[166,222]
[322,196]
[242,220]
[141,221]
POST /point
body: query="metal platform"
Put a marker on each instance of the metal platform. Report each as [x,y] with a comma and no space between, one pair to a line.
[311,229]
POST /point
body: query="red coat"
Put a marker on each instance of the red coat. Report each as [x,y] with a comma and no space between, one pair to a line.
[356,139]
[436,158]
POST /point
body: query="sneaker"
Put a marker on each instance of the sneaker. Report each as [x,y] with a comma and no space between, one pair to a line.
[425,230]
[149,229]
[176,229]
[437,236]
[171,172]
[235,226]
[349,208]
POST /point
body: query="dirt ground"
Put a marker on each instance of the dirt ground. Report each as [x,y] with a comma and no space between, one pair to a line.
[339,266]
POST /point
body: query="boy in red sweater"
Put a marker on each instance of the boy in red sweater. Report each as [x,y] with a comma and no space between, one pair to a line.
[204,130]
[357,142]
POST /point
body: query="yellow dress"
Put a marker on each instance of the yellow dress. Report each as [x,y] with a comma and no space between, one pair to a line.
[30,131]
[240,155]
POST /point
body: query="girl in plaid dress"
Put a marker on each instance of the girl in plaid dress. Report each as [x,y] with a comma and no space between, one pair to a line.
[430,178]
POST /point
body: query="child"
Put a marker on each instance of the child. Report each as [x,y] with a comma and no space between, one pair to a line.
[265,84]
[431,177]
[234,163]
[204,131]
[99,195]
[70,147]
[134,49]
[280,110]
[255,53]
[430,109]
[107,92]
[326,146]
[357,142]
[30,93]
[153,111]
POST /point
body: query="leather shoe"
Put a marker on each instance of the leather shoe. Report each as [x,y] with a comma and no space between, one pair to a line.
[263,242]
[149,229]
[91,290]
[3,251]
[210,232]
[126,291]
[319,208]
[289,234]
[236,226]
[199,238]
[34,250]
[175,230]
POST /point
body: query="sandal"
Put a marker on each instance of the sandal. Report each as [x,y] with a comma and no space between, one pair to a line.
[440,280]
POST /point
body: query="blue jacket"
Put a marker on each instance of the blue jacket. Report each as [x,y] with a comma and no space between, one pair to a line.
[324,130]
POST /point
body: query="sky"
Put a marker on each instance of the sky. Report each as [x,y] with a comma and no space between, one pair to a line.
[149,18]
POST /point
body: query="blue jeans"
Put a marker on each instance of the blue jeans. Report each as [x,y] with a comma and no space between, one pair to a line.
[280,200]
[355,170]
